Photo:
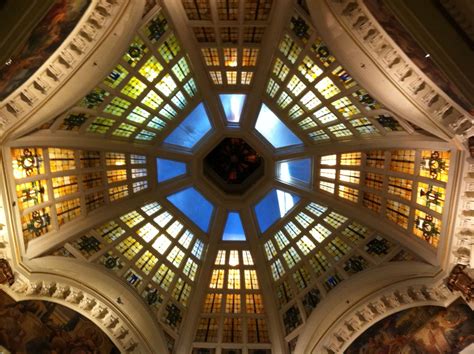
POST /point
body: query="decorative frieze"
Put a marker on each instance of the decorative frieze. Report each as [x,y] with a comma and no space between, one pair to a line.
[463,241]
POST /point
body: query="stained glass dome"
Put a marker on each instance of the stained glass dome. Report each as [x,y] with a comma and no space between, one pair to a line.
[344,183]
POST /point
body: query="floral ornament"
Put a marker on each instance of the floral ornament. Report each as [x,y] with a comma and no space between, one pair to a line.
[35,193]
[157,28]
[152,296]
[431,196]
[427,226]
[38,223]
[111,262]
[173,317]
[29,162]
[75,121]
[89,244]
[300,28]
[94,98]
[435,164]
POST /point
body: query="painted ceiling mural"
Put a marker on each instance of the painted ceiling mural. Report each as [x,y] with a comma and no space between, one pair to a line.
[41,44]
[426,329]
[42,327]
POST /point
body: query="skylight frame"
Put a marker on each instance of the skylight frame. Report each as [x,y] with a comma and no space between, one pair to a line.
[188,239]
[392,192]
[72,184]
[222,264]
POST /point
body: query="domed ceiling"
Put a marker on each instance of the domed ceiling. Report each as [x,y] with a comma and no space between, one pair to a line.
[212,155]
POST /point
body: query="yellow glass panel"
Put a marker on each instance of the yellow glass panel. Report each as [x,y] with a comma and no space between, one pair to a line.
[31,194]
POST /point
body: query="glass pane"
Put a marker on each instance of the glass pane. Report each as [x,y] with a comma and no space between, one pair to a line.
[274,206]
[273,129]
[233,105]
[168,169]
[194,206]
[296,171]
[234,230]
[191,130]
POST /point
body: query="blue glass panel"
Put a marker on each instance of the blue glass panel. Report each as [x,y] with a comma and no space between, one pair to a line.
[295,171]
[273,129]
[191,130]
[233,104]
[234,230]
[194,206]
[168,169]
[274,206]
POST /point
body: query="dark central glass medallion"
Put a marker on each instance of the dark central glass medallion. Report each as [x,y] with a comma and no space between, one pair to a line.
[233,165]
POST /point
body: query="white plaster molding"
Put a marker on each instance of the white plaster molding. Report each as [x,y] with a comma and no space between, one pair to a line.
[82,56]
[429,102]
[462,250]
[367,298]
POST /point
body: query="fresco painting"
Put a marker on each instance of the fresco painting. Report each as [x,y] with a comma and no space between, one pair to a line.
[47,36]
[42,327]
[419,330]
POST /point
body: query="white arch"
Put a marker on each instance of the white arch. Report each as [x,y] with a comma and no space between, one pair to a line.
[80,286]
